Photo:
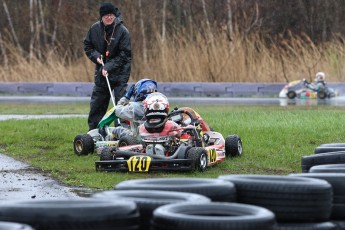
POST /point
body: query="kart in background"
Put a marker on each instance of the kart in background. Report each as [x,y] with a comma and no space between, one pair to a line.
[198,148]
[96,139]
[297,89]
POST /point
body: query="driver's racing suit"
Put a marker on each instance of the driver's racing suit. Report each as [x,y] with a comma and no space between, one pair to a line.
[132,112]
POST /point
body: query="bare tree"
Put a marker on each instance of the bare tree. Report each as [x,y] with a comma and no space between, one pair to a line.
[15,38]
[43,24]
[142,26]
[207,21]
[229,22]
[3,52]
[164,19]
[56,23]
[32,31]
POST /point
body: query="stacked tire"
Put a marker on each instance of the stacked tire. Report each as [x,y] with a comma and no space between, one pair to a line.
[214,189]
[337,181]
[149,200]
[322,159]
[214,215]
[57,214]
[298,203]
[221,213]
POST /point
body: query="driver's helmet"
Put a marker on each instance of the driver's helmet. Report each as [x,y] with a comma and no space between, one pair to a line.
[156,107]
[320,76]
[143,88]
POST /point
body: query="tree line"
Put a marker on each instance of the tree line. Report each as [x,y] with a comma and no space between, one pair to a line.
[35,28]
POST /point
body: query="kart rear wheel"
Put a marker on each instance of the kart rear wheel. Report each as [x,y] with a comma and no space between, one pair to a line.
[233,146]
[83,144]
[322,95]
[198,156]
[291,94]
[127,140]
[107,154]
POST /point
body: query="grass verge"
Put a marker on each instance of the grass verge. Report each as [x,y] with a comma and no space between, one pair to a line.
[274,140]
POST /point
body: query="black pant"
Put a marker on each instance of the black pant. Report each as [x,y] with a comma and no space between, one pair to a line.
[100,100]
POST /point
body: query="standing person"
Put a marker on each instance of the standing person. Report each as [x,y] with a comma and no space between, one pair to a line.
[108,41]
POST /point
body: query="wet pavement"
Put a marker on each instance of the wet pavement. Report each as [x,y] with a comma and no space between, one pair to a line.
[21,181]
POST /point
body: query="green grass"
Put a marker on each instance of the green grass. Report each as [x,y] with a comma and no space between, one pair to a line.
[274,140]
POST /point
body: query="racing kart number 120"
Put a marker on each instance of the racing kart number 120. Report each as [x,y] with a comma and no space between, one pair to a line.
[139,163]
[197,148]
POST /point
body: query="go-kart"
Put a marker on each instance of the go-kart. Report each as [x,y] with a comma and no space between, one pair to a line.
[198,148]
[96,139]
[299,89]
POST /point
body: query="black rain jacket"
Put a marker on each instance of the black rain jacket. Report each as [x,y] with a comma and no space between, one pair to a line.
[118,63]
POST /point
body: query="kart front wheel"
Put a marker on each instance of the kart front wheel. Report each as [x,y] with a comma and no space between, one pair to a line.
[291,94]
[127,140]
[233,146]
[199,159]
[83,144]
[107,154]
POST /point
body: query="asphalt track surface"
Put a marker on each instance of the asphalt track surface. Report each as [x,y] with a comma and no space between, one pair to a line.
[21,181]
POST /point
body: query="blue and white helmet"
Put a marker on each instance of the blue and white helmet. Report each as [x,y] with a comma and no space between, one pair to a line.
[320,76]
[143,88]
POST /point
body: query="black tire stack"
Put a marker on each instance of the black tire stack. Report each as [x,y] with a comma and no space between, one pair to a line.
[57,214]
[328,163]
[313,199]
[148,200]
[223,212]
[298,203]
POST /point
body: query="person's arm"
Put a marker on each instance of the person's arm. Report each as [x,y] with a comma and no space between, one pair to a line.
[176,129]
[308,84]
[89,47]
[125,109]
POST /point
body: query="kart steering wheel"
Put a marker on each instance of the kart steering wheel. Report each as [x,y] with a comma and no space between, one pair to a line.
[182,117]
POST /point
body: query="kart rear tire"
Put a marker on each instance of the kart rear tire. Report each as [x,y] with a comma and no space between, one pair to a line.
[214,215]
[128,140]
[322,95]
[291,94]
[199,158]
[233,146]
[83,144]
[107,154]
